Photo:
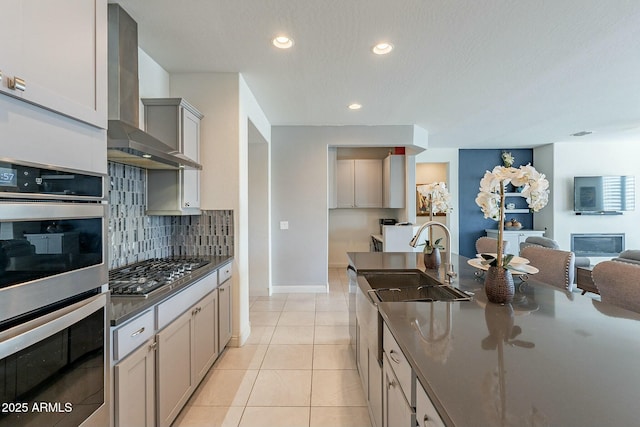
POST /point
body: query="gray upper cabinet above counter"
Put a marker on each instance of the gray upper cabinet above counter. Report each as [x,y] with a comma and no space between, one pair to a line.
[366,183]
[177,123]
[73,82]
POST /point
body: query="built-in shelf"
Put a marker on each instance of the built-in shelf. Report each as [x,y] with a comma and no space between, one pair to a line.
[513,194]
[516,211]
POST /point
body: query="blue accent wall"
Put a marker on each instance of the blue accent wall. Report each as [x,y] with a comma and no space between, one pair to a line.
[472,166]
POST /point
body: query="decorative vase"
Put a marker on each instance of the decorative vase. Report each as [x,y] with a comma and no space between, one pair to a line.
[432,260]
[498,285]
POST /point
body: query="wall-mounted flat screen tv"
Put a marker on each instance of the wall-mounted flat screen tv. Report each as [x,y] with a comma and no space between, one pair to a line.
[603,194]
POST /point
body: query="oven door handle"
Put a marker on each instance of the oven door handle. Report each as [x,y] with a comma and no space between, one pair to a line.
[26,334]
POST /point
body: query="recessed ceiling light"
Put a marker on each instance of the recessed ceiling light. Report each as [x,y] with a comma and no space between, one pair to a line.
[355,106]
[582,133]
[382,48]
[146,156]
[282,42]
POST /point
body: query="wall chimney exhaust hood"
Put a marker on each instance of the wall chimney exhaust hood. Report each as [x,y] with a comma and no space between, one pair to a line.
[126,142]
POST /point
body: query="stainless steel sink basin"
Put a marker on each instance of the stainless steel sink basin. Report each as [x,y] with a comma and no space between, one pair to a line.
[410,285]
[400,279]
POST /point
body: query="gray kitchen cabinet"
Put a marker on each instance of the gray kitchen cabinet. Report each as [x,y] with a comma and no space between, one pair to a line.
[399,384]
[205,335]
[225,300]
[359,183]
[134,384]
[177,123]
[396,410]
[71,81]
[426,414]
[393,181]
[187,348]
[175,364]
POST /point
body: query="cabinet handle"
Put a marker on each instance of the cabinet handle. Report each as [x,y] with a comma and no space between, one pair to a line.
[186,204]
[153,346]
[221,289]
[391,383]
[138,332]
[425,420]
[17,83]
[196,311]
[393,357]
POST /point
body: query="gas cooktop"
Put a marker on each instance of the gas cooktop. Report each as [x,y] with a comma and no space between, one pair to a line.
[143,278]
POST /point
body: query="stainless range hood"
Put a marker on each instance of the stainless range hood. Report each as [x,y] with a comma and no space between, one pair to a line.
[126,142]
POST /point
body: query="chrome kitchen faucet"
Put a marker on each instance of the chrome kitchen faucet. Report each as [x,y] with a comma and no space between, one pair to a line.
[450,273]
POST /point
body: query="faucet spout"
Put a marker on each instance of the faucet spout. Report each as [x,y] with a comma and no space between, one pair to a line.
[450,273]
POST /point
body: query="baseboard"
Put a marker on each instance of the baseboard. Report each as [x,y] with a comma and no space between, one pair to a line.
[300,289]
[239,340]
[338,265]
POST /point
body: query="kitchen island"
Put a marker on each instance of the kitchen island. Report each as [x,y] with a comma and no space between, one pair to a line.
[551,358]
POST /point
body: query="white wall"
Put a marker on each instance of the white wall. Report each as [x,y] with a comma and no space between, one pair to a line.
[228,107]
[445,158]
[561,162]
[299,195]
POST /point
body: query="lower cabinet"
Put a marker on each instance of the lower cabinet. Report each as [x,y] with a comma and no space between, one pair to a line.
[225,300]
[162,354]
[135,386]
[426,414]
[186,350]
[396,410]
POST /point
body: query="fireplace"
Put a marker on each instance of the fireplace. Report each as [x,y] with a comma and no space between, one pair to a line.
[597,244]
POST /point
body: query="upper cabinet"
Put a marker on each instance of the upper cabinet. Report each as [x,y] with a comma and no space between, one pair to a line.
[366,183]
[393,181]
[359,183]
[54,55]
[177,123]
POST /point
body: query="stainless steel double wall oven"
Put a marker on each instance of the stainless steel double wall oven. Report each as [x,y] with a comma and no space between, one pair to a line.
[53,296]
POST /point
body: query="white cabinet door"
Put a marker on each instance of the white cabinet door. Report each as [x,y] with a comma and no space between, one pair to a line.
[224,313]
[205,336]
[393,181]
[514,237]
[134,383]
[396,410]
[426,414]
[368,183]
[56,52]
[345,183]
[191,149]
[175,365]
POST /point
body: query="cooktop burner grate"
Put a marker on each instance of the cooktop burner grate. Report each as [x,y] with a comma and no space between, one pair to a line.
[142,278]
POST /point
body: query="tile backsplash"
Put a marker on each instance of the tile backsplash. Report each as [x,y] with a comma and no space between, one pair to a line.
[134,236]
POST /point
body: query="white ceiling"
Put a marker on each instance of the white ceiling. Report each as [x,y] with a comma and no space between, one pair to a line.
[473,73]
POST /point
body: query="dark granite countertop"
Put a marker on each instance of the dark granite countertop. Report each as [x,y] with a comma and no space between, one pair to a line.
[550,358]
[125,308]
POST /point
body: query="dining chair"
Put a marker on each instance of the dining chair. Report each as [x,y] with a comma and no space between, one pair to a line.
[489,245]
[556,267]
[618,283]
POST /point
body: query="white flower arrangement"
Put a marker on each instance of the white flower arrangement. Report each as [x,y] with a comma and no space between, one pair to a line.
[437,196]
[437,199]
[535,189]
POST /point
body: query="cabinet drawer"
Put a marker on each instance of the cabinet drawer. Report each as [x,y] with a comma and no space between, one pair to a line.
[132,334]
[173,307]
[399,365]
[426,414]
[224,273]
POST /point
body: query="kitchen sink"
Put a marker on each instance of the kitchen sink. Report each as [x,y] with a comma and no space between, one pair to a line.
[411,285]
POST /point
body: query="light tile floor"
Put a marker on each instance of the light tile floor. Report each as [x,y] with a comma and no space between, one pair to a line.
[296,368]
